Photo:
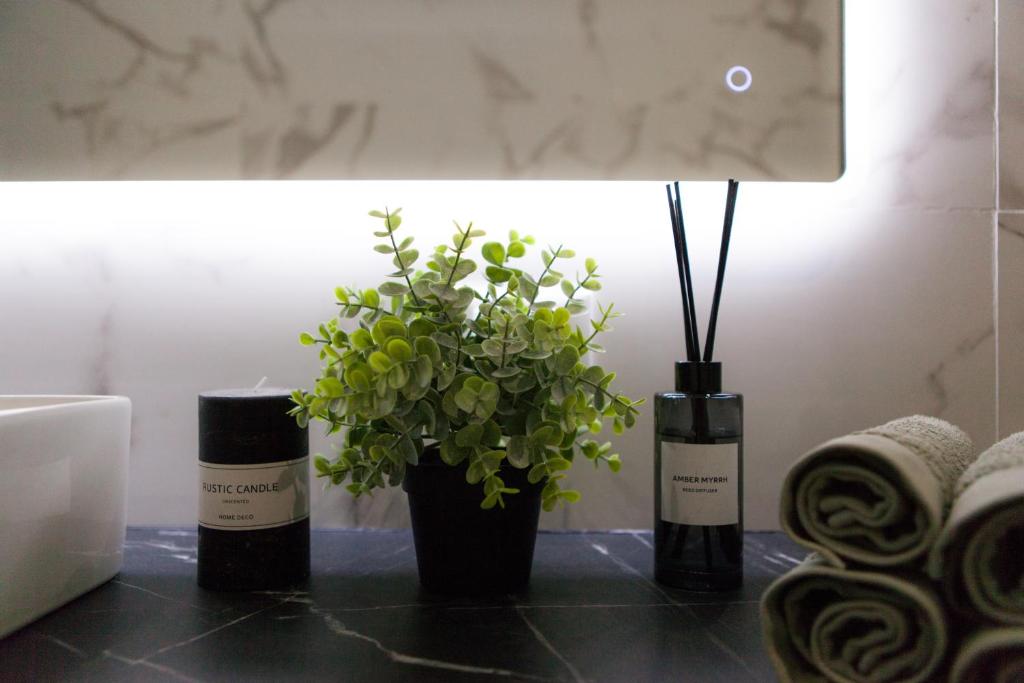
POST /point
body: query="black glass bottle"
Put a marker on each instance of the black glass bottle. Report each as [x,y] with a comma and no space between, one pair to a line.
[698,482]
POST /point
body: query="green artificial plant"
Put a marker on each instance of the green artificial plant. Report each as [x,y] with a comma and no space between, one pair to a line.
[492,374]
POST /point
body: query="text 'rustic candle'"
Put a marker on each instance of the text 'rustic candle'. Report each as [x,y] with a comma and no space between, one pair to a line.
[253,491]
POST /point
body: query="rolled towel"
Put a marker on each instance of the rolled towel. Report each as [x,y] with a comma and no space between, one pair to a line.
[877,497]
[992,655]
[979,556]
[823,623]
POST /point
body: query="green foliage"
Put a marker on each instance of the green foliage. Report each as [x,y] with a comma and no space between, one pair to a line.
[491,374]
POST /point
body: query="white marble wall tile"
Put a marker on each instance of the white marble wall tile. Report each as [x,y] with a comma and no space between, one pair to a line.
[1011,104]
[831,321]
[846,304]
[1011,323]
[58,342]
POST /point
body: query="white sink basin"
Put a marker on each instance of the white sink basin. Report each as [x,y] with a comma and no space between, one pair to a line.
[63,474]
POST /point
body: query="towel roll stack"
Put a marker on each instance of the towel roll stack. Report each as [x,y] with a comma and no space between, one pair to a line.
[980,554]
[876,497]
[871,505]
[906,526]
[843,625]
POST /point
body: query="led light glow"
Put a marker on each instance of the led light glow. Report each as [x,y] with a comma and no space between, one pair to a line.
[743,83]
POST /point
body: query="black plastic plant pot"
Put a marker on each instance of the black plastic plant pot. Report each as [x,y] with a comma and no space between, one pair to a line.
[462,549]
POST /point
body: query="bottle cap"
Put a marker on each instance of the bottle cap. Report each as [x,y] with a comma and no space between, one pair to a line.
[698,378]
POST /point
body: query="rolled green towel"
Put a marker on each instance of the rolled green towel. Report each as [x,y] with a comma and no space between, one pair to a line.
[992,655]
[979,557]
[822,623]
[876,497]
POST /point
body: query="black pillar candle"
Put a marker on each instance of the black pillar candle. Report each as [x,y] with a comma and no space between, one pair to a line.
[253,491]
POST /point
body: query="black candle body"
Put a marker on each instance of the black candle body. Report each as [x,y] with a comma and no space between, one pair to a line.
[698,482]
[253,491]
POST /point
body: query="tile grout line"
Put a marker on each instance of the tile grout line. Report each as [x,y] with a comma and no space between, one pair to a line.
[996,213]
[995,317]
[995,102]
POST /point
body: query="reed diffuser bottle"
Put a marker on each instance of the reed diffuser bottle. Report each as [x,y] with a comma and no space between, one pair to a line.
[698,450]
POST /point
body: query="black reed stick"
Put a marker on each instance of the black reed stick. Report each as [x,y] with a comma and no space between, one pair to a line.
[689,280]
[691,352]
[723,254]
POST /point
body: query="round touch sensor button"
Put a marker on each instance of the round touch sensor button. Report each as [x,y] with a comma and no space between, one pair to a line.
[738,78]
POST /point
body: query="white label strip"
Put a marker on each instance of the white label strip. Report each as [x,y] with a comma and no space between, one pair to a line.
[700,483]
[250,497]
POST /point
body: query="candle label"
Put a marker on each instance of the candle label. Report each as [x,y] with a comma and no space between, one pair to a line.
[700,483]
[249,497]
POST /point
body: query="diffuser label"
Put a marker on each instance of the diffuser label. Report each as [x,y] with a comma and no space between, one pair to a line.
[700,483]
[249,497]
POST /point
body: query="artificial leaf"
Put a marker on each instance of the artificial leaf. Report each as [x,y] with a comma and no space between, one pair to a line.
[566,359]
[398,349]
[469,435]
[517,451]
[398,376]
[475,472]
[493,252]
[498,275]
[393,289]
[379,361]
[406,258]
[452,454]
[491,435]
[466,399]
[358,377]
[361,339]
[445,340]
[370,298]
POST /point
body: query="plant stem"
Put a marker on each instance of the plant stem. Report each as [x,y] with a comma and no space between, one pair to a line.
[458,252]
[579,285]
[554,255]
[398,257]
[618,398]
[362,305]
[597,327]
[496,302]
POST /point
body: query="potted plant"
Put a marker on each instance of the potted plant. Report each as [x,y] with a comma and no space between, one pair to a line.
[475,398]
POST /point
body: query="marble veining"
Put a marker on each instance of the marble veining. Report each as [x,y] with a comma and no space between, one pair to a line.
[153,622]
[427,89]
[937,383]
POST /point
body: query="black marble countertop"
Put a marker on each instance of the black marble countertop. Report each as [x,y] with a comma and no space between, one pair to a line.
[592,613]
